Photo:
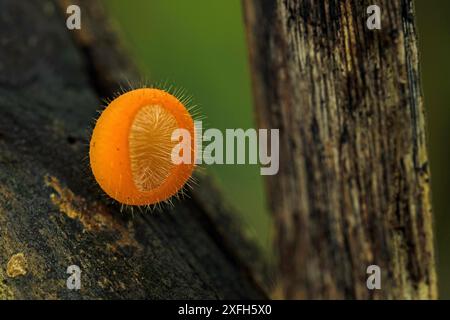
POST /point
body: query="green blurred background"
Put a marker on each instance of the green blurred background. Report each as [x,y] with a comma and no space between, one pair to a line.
[434,35]
[200,45]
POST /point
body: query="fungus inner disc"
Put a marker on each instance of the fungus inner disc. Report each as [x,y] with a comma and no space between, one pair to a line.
[150,146]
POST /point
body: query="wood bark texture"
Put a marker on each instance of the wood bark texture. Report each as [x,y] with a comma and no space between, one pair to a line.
[354,184]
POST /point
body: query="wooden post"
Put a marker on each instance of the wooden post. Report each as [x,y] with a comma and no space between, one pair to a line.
[354,185]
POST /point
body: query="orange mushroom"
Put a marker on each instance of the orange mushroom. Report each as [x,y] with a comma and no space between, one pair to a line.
[131,146]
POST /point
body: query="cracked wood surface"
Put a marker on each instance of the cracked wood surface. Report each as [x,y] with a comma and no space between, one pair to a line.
[52,213]
[353,188]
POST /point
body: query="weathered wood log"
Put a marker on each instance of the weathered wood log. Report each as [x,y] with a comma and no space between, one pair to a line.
[353,188]
[52,214]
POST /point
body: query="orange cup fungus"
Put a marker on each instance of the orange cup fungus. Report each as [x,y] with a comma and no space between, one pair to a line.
[131,146]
